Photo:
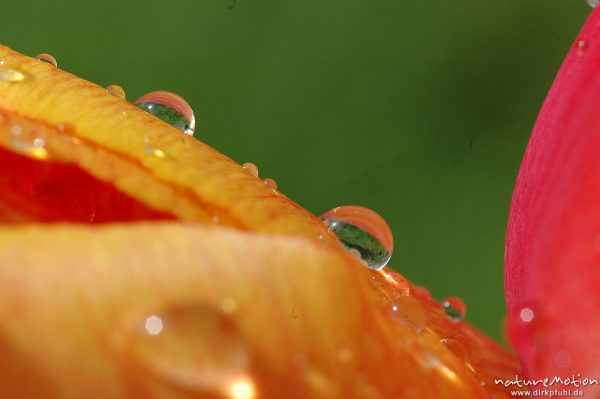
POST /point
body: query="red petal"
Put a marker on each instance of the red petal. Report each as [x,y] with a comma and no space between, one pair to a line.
[553,239]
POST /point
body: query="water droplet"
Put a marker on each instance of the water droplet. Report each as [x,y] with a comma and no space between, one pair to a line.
[170,108]
[593,3]
[216,220]
[364,230]
[410,312]
[581,45]
[398,282]
[270,183]
[48,58]
[455,347]
[251,168]
[197,348]
[10,73]
[455,308]
[116,91]
[526,315]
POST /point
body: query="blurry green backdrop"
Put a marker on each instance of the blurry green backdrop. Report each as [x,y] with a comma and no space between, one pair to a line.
[419,110]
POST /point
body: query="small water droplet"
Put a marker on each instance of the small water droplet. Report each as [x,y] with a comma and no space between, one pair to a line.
[197,348]
[216,220]
[270,183]
[582,45]
[526,315]
[455,308]
[251,168]
[593,3]
[169,107]
[11,74]
[47,58]
[410,312]
[362,229]
[455,347]
[116,91]
[398,282]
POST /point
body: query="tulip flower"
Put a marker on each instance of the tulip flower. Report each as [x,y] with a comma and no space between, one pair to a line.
[553,239]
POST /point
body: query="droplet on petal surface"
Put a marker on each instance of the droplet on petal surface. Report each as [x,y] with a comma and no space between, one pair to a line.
[116,91]
[455,308]
[251,168]
[410,312]
[270,183]
[455,347]
[48,58]
[9,71]
[196,348]
[169,107]
[363,230]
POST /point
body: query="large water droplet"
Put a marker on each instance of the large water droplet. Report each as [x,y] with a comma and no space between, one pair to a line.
[195,348]
[9,71]
[48,58]
[362,229]
[170,108]
[455,308]
[116,91]
[593,3]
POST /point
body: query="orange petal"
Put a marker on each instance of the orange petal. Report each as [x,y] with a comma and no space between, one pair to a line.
[267,304]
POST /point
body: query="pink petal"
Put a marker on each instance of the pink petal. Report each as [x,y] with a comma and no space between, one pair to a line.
[553,240]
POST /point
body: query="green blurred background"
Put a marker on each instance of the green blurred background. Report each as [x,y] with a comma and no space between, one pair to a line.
[419,110]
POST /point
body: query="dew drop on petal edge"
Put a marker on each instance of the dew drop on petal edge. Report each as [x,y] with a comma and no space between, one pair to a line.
[48,58]
[593,3]
[270,183]
[363,230]
[251,168]
[116,91]
[455,308]
[169,107]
